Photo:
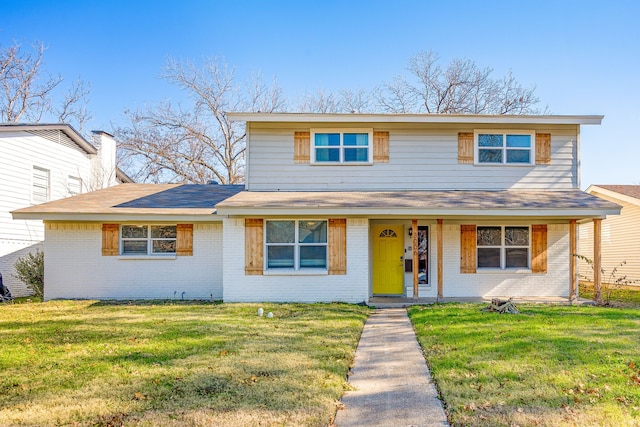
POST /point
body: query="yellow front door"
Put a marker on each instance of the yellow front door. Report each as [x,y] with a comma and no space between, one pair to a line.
[388,260]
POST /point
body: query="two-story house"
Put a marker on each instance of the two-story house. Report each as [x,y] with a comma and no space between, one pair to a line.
[343,207]
[41,163]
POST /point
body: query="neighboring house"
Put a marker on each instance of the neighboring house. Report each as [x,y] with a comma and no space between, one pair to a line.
[343,207]
[40,163]
[620,234]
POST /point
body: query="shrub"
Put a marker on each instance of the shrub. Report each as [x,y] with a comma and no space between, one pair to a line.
[30,271]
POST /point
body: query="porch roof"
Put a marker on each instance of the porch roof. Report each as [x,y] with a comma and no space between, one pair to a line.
[136,202]
[574,204]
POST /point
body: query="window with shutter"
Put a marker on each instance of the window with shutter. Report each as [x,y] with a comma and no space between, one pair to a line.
[184,243]
[539,248]
[338,246]
[380,147]
[253,241]
[467,249]
[543,148]
[110,239]
[465,148]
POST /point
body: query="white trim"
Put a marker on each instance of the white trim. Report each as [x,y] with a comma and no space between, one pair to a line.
[504,148]
[415,118]
[296,247]
[33,184]
[341,147]
[149,239]
[503,248]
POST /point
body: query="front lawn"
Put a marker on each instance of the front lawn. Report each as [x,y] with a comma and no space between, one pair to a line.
[615,295]
[88,363]
[549,366]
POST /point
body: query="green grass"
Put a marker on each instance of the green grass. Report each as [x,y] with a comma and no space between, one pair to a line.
[94,364]
[619,296]
[549,366]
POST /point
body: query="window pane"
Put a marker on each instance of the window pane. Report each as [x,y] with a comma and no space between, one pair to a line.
[313,256]
[490,156]
[163,231]
[312,231]
[280,257]
[518,156]
[134,247]
[517,257]
[489,257]
[485,140]
[519,141]
[281,231]
[164,246]
[356,139]
[327,139]
[489,236]
[356,154]
[134,231]
[516,236]
[327,154]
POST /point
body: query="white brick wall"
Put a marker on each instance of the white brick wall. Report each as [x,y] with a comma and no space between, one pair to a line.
[554,283]
[75,267]
[352,287]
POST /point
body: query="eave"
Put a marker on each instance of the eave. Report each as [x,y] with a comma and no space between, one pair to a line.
[417,118]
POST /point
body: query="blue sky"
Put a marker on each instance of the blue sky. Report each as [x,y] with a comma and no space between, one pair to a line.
[583,56]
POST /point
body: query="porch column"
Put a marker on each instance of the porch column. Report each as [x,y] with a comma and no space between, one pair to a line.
[573,279]
[597,260]
[414,254]
[439,244]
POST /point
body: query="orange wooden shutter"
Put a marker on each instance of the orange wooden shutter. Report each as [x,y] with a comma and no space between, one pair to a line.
[337,246]
[110,239]
[380,147]
[253,246]
[539,248]
[301,147]
[465,147]
[467,249]
[184,244]
[543,148]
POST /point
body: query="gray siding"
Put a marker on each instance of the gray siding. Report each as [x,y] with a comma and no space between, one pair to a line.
[421,157]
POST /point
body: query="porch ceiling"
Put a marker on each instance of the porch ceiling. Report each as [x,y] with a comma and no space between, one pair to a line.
[571,203]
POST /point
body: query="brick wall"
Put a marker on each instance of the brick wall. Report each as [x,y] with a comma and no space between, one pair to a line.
[75,267]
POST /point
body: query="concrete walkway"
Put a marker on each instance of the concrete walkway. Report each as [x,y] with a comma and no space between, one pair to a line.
[391,381]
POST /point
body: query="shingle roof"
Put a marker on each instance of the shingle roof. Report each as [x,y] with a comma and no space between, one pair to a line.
[161,199]
[627,190]
[440,200]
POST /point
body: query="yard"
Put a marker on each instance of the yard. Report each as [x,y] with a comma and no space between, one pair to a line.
[88,363]
[549,366]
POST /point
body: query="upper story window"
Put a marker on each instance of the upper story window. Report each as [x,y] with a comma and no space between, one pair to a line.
[508,147]
[148,239]
[503,247]
[296,244]
[40,185]
[341,146]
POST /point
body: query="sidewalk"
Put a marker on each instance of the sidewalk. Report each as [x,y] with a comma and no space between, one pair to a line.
[391,381]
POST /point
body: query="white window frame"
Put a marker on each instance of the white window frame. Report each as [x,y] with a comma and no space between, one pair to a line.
[341,147]
[75,180]
[504,148]
[503,248]
[148,239]
[47,188]
[296,247]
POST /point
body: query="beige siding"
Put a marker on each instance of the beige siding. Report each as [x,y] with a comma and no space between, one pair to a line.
[620,242]
[420,157]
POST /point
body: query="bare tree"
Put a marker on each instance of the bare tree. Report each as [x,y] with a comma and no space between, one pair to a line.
[460,88]
[27,90]
[343,101]
[197,143]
